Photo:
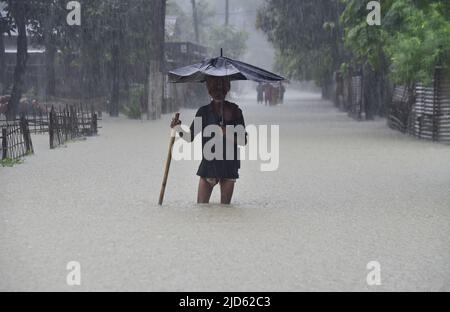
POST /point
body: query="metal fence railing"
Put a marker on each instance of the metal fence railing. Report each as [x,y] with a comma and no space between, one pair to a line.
[15,139]
[71,122]
[423,111]
[349,94]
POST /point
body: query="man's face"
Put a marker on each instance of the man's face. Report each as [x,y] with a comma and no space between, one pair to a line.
[218,88]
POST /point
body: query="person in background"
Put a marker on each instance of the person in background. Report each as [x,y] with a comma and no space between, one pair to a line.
[275,95]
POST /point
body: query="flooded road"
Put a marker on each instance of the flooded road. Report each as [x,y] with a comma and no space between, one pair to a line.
[345,194]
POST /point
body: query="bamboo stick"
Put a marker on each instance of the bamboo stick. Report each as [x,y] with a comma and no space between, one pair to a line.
[168,161]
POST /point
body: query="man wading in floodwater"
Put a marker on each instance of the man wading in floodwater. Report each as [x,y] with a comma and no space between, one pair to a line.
[220,113]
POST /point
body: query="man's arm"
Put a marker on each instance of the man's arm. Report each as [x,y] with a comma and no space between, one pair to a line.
[194,129]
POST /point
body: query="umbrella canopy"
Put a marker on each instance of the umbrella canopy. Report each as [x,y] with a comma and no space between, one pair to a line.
[222,67]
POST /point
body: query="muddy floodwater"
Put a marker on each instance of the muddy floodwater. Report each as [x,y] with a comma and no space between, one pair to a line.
[345,194]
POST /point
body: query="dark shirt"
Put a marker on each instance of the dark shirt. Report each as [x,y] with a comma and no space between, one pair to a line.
[218,168]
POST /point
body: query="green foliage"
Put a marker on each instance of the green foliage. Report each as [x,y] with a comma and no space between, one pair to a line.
[10,162]
[365,42]
[414,37]
[424,44]
[306,34]
[305,65]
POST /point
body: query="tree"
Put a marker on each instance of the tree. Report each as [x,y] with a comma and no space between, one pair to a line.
[6,26]
[157,59]
[116,25]
[49,28]
[413,38]
[308,37]
[231,40]
[195,21]
[186,25]
[367,44]
[212,35]
[94,49]
[21,11]
[422,43]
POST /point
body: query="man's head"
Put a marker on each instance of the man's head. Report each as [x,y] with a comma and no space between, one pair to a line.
[218,87]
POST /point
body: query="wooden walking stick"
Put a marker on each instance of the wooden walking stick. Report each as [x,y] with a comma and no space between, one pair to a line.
[168,161]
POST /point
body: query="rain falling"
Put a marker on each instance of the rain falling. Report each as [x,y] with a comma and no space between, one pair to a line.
[224,146]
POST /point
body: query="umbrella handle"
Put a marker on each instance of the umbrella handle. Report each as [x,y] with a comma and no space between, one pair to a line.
[168,162]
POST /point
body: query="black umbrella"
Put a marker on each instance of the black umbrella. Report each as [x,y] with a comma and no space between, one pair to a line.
[222,67]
